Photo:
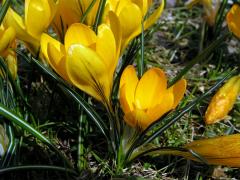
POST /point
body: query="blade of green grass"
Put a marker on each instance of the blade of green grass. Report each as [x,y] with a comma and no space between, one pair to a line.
[99,15]
[37,167]
[4,9]
[86,107]
[84,16]
[206,52]
[8,114]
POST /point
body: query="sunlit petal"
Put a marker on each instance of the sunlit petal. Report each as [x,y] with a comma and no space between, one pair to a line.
[37,16]
[86,69]
[233,19]
[128,84]
[79,34]
[150,89]
[154,16]
[106,47]
[178,90]
[7,38]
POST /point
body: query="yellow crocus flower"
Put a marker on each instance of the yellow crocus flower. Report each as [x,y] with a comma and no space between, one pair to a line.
[131,13]
[146,100]
[224,150]
[86,60]
[7,45]
[233,20]
[37,18]
[210,9]
[223,101]
[71,11]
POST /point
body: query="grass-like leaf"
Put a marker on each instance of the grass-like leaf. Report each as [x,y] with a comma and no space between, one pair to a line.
[4,9]
[8,114]
[86,107]
[37,167]
[206,52]
[99,15]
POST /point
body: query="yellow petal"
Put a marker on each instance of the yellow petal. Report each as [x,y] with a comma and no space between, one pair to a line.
[223,101]
[154,16]
[233,20]
[116,29]
[150,89]
[68,12]
[11,60]
[79,34]
[143,120]
[106,48]
[7,38]
[12,19]
[178,89]
[37,17]
[223,150]
[87,71]
[143,5]
[128,83]
[159,110]
[130,19]
[57,60]
[130,119]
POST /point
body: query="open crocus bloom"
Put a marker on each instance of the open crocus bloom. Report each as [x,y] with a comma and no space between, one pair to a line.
[210,9]
[86,60]
[131,14]
[146,100]
[223,101]
[71,11]
[38,16]
[233,20]
[7,42]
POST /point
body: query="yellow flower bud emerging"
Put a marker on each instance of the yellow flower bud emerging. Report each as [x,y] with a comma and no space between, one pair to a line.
[223,150]
[233,20]
[146,100]
[86,60]
[223,101]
